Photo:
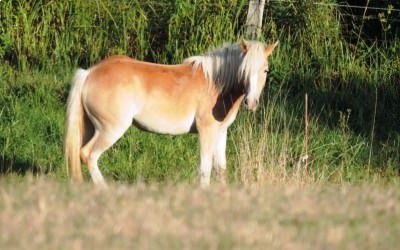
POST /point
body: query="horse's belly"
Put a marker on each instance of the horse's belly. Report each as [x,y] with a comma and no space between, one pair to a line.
[164,124]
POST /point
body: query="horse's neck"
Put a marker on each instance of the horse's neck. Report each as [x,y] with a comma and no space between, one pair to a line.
[227,103]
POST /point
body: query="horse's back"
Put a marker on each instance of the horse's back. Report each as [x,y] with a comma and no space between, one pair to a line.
[123,66]
[122,58]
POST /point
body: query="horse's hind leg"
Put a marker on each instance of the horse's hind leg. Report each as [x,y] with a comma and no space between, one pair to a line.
[90,159]
[100,142]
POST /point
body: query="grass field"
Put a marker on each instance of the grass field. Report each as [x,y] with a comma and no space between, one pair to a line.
[348,199]
[352,88]
[43,214]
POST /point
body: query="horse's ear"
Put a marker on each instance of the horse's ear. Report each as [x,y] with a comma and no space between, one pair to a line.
[270,47]
[244,45]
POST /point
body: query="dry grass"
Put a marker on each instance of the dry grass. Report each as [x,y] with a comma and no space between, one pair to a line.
[266,151]
[42,214]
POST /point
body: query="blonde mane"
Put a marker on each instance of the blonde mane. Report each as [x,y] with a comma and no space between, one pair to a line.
[229,67]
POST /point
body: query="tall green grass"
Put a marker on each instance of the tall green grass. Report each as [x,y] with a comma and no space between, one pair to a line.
[43,33]
[353,91]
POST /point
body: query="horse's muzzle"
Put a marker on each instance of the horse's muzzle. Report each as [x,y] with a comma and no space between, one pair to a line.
[251,104]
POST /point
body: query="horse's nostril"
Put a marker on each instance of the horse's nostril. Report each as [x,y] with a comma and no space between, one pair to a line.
[245,102]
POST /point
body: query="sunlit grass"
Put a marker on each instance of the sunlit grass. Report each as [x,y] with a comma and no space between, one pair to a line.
[353,100]
[43,214]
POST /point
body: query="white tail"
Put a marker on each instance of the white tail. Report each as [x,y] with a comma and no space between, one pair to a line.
[74,127]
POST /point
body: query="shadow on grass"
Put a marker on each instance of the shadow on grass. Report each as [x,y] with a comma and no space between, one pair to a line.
[18,167]
[366,107]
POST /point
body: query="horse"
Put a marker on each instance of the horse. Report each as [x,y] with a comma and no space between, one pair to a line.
[201,95]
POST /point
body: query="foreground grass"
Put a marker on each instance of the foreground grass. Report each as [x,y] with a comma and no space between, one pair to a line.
[43,214]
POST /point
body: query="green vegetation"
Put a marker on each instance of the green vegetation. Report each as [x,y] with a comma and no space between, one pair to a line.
[353,89]
[354,132]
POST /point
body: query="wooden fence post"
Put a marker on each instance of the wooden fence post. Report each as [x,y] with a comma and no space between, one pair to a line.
[254,19]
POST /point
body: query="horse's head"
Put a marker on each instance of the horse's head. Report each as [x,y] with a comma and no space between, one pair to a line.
[255,64]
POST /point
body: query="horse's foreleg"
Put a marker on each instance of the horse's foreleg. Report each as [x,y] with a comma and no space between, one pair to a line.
[207,145]
[219,154]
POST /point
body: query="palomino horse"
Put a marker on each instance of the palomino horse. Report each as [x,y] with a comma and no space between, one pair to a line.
[203,95]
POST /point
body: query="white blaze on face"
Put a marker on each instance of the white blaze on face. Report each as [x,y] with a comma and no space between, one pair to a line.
[252,95]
